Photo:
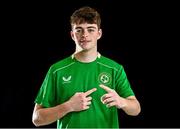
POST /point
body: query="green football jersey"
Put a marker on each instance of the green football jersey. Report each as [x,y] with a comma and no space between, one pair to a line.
[69,76]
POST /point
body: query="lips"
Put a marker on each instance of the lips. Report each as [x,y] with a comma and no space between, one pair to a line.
[83,42]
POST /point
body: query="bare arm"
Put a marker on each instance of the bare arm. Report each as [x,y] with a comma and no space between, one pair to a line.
[130,104]
[45,116]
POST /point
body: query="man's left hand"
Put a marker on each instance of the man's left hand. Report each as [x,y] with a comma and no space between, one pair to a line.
[111,98]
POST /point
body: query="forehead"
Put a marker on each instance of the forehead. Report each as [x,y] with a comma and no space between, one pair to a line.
[85,26]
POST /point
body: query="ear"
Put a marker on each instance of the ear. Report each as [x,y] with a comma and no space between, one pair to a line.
[72,35]
[100,33]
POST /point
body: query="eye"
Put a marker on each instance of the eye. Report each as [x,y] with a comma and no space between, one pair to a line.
[78,31]
[91,30]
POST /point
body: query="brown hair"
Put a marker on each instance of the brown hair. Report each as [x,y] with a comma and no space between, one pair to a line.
[86,15]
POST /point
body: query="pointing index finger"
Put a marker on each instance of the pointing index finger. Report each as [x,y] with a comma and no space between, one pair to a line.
[106,88]
[90,91]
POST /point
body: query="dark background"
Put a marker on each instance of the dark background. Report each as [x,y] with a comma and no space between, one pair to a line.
[140,36]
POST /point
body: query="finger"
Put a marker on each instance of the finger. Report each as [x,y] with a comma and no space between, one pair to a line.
[90,91]
[109,100]
[85,108]
[106,88]
[111,104]
[89,98]
[88,103]
[105,96]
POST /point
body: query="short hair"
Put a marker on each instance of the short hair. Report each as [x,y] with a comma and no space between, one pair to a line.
[85,15]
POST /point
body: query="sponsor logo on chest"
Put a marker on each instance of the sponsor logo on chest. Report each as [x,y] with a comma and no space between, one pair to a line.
[66,79]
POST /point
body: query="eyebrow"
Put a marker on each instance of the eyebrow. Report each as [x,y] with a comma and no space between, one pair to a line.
[90,27]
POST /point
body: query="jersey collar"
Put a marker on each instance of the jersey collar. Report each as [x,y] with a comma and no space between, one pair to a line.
[99,55]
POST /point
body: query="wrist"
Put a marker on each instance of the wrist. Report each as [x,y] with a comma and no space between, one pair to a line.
[68,106]
[122,104]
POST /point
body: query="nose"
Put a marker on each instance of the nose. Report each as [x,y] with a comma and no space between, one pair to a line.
[85,33]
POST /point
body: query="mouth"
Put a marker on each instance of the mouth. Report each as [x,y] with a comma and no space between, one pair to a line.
[84,42]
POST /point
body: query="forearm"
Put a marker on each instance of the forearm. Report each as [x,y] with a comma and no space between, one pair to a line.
[132,107]
[45,116]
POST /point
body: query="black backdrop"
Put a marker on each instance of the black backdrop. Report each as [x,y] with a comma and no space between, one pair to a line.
[140,36]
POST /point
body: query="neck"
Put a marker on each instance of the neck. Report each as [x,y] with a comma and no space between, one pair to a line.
[86,56]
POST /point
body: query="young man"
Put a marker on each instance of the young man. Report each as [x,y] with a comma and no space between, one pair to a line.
[86,89]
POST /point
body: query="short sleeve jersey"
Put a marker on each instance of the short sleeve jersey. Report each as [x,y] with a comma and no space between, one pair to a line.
[69,76]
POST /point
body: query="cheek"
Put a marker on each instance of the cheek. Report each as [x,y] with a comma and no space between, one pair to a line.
[77,36]
[96,37]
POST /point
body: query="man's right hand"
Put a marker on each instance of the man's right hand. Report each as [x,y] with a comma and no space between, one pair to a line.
[81,100]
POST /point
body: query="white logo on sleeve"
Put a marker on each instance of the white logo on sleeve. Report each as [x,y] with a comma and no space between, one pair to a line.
[66,79]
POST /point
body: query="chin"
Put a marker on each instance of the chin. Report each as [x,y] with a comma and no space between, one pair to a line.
[85,47]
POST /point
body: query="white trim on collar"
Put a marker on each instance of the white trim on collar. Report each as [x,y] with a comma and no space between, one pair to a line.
[99,55]
[72,56]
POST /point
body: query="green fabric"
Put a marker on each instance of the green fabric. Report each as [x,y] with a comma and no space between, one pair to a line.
[69,76]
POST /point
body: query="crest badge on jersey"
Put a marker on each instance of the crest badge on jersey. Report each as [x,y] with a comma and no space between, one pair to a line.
[104,78]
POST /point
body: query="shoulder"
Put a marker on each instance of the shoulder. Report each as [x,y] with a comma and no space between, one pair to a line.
[107,62]
[61,64]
